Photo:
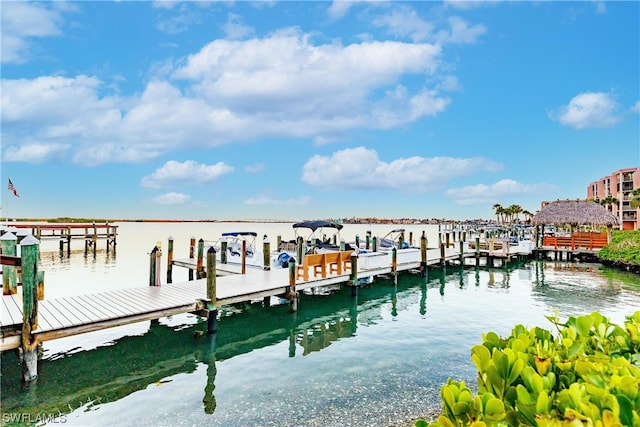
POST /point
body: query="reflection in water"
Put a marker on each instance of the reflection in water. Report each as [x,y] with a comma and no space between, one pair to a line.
[87,379]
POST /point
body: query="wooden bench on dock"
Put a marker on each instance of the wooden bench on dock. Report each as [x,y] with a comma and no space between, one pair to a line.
[334,262]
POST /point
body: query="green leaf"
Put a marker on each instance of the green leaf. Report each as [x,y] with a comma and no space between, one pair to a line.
[542,404]
[626,409]
[481,357]
[583,325]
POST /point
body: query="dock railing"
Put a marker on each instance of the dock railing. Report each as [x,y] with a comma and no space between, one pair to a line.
[582,240]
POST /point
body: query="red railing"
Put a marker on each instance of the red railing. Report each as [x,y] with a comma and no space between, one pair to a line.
[577,240]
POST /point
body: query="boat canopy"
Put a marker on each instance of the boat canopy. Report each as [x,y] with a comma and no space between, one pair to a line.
[314,225]
[240,233]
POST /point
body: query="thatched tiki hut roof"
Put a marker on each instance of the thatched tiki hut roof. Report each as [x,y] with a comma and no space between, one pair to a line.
[573,213]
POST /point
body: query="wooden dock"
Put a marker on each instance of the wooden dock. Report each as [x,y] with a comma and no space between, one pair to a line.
[90,233]
[26,321]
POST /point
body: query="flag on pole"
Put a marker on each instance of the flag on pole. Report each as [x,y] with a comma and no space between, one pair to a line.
[12,188]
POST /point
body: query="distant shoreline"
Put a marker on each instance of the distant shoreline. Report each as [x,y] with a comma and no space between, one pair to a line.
[399,221]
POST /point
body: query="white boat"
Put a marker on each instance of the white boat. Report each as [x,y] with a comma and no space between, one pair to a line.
[392,240]
[254,255]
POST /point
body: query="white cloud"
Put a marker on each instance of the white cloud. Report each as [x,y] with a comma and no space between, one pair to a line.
[636,107]
[172,199]
[470,4]
[23,21]
[506,188]
[264,200]
[279,86]
[461,32]
[339,8]
[176,174]
[589,110]
[235,29]
[34,153]
[361,169]
[403,21]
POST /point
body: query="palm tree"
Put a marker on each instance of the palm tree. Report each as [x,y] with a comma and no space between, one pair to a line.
[609,201]
[499,211]
[514,210]
[635,198]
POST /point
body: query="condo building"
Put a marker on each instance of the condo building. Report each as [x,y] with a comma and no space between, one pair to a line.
[615,192]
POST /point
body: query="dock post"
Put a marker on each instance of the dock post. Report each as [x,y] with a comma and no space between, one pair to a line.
[375,244]
[212,311]
[40,285]
[354,275]
[223,251]
[278,242]
[423,254]
[446,237]
[244,256]
[368,240]
[68,241]
[442,255]
[29,253]
[394,265]
[86,241]
[200,273]
[266,250]
[477,251]
[292,294]
[192,248]
[461,253]
[411,238]
[170,260]
[354,270]
[95,239]
[299,249]
[342,244]
[154,266]
[9,272]
[357,242]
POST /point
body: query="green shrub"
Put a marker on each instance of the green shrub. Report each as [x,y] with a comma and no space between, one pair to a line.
[624,246]
[586,375]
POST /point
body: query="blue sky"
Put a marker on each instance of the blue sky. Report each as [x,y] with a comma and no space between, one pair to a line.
[304,110]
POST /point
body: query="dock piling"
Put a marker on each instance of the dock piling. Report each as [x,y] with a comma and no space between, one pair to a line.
[266,251]
[192,248]
[154,265]
[29,253]
[170,260]
[9,272]
[292,294]
[423,254]
[212,311]
[394,265]
[200,273]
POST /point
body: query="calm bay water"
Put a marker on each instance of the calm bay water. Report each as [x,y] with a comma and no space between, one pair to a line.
[377,359]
